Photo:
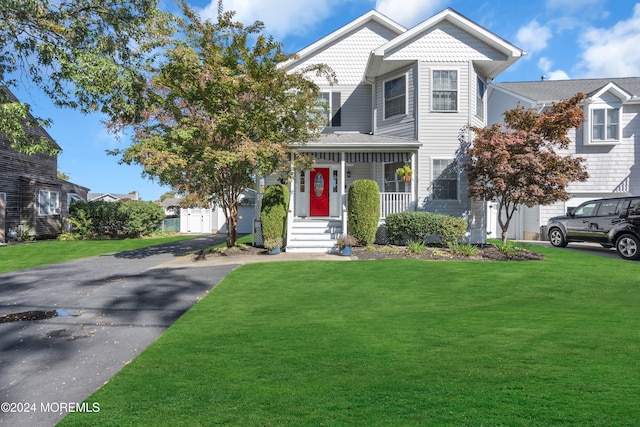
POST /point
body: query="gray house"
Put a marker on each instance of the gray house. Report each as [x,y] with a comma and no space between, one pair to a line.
[609,140]
[402,96]
[32,197]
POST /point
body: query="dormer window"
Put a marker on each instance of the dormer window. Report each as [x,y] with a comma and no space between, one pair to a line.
[603,124]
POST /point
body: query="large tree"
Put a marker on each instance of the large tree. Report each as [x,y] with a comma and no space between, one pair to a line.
[221,111]
[519,163]
[84,54]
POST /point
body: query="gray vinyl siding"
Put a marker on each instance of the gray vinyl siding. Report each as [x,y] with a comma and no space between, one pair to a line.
[499,102]
[355,109]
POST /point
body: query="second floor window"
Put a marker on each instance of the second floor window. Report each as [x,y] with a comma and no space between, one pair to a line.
[605,124]
[480,90]
[445,90]
[329,108]
[395,97]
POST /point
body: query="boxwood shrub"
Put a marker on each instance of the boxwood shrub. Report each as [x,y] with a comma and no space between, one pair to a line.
[363,202]
[273,214]
[418,226]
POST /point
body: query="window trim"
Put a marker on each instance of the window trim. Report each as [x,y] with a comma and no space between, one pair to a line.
[590,122]
[400,185]
[433,90]
[434,179]
[332,114]
[406,96]
[480,97]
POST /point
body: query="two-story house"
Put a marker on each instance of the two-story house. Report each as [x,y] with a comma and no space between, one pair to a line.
[608,140]
[402,97]
[32,198]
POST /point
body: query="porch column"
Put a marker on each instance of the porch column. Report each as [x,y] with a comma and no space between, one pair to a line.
[292,186]
[414,177]
[343,197]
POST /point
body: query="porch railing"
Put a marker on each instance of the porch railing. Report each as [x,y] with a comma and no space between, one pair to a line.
[394,203]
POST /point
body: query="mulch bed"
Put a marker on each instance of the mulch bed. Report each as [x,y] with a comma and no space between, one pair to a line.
[484,253]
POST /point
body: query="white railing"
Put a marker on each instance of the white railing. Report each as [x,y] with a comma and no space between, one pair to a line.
[394,203]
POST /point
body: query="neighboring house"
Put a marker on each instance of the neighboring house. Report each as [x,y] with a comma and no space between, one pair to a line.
[609,140]
[171,206]
[113,197]
[33,198]
[402,97]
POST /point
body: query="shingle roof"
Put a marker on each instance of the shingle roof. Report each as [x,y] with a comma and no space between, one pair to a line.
[555,90]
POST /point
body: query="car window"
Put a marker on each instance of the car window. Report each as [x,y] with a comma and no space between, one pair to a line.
[634,207]
[588,209]
[609,208]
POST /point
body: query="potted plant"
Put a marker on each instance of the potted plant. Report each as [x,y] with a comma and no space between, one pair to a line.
[272,245]
[345,244]
[405,173]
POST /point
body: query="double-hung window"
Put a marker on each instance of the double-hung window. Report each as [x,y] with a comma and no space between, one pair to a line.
[395,97]
[445,90]
[48,202]
[605,124]
[445,180]
[392,182]
[329,108]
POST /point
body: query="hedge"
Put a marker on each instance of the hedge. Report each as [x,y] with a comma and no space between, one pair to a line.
[128,219]
[273,215]
[420,225]
[363,204]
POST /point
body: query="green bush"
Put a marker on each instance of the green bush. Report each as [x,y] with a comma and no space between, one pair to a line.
[275,204]
[129,219]
[363,204]
[420,225]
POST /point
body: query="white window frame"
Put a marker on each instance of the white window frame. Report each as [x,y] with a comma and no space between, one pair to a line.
[400,186]
[74,197]
[327,109]
[435,178]
[434,90]
[480,95]
[405,95]
[3,196]
[590,122]
[48,207]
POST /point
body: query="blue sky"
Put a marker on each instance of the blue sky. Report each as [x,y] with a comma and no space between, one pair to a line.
[563,39]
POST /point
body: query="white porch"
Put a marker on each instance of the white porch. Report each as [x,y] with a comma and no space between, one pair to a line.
[309,231]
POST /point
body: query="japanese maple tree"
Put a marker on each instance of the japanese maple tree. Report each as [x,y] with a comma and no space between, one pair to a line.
[221,111]
[520,162]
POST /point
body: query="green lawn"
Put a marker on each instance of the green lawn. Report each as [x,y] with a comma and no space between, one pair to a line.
[392,343]
[33,254]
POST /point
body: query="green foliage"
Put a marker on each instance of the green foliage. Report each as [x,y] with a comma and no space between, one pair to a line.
[507,248]
[84,54]
[126,219]
[273,215]
[363,203]
[416,247]
[420,225]
[465,249]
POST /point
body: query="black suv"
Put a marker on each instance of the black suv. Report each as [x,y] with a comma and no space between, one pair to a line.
[610,222]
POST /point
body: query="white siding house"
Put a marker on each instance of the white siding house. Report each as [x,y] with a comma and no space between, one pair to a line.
[402,97]
[609,140]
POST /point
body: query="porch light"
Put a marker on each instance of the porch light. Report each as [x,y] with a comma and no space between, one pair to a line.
[348,174]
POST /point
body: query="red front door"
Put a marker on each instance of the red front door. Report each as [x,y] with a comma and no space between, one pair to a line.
[319,200]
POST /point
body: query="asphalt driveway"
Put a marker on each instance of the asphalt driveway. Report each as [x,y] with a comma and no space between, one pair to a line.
[111,307]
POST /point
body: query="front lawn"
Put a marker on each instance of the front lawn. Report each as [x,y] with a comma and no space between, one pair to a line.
[33,254]
[395,342]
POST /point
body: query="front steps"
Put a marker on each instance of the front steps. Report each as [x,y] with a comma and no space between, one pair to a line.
[314,235]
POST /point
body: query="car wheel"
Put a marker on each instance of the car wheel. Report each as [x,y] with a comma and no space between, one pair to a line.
[556,238]
[628,246]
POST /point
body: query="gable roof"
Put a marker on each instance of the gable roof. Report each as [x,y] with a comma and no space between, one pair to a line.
[371,16]
[555,90]
[490,68]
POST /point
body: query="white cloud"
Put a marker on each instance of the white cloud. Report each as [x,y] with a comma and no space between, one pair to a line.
[545,65]
[533,37]
[281,17]
[612,52]
[410,12]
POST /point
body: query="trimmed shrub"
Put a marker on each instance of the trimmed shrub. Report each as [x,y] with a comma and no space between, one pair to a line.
[273,214]
[420,225]
[363,204]
[129,219]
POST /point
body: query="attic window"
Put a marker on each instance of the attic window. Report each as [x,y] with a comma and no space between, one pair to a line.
[395,97]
